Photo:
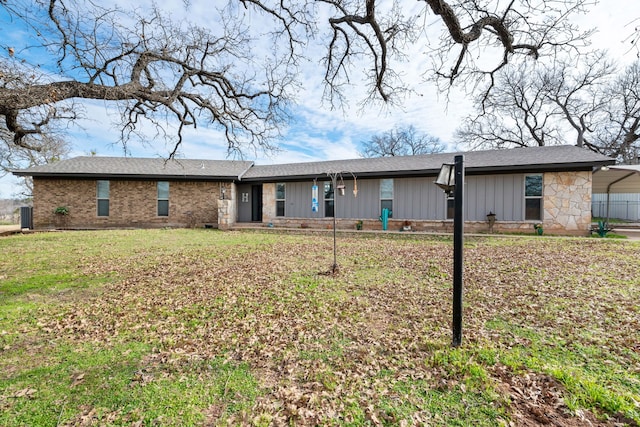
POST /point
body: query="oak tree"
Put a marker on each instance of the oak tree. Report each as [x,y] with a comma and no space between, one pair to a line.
[401,141]
[157,70]
[590,104]
[239,72]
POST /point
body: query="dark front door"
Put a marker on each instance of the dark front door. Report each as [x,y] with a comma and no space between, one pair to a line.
[244,203]
[256,203]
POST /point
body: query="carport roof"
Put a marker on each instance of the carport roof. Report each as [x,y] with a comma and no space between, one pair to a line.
[617,179]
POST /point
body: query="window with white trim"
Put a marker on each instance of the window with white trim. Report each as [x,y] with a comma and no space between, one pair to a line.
[102,197]
[386,195]
[163,198]
[451,205]
[328,199]
[280,198]
[533,197]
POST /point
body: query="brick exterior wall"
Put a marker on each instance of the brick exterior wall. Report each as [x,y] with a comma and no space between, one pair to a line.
[131,204]
[566,201]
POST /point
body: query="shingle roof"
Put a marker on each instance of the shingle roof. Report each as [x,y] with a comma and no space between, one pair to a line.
[519,159]
[129,167]
[532,159]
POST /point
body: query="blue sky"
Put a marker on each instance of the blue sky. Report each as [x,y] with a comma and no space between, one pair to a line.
[317,132]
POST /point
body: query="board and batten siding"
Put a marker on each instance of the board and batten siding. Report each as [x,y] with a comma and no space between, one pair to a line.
[501,194]
[415,198]
[298,200]
[420,198]
[365,206]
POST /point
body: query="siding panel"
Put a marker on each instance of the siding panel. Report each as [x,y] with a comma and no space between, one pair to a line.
[418,198]
[415,198]
[298,200]
[365,206]
[500,194]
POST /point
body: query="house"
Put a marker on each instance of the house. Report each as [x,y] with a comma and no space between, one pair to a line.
[522,187]
[117,192]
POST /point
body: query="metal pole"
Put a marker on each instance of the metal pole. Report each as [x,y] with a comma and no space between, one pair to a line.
[335,210]
[458,243]
[607,220]
[609,191]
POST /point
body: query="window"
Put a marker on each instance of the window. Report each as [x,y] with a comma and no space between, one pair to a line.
[386,195]
[328,199]
[451,206]
[163,198]
[533,197]
[102,191]
[280,199]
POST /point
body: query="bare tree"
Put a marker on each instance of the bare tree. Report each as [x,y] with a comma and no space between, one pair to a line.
[161,72]
[634,36]
[157,70]
[46,148]
[479,38]
[619,133]
[44,143]
[542,104]
[401,141]
[575,90]
[516,114]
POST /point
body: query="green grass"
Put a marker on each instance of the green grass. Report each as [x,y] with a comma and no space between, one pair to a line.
[121,389]
[202,327]
[589,372]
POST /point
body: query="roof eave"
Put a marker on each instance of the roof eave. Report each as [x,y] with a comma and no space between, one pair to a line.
[245,171]
[152,177]
[469,170]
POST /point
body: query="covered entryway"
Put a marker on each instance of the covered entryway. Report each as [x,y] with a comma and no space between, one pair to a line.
[250,203]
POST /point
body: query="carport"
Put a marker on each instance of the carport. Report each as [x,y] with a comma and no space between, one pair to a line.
[616,179]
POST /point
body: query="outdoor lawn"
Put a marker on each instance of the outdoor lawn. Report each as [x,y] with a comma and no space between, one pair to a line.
[203,327]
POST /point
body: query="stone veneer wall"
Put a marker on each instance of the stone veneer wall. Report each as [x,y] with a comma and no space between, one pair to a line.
[131,204]
[567,202]
[268,202]
[227,207]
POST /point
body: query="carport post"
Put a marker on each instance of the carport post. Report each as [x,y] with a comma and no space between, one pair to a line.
[609,192]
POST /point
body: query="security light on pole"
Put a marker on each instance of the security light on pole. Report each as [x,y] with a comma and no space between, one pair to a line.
[451,180]
[446,178]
